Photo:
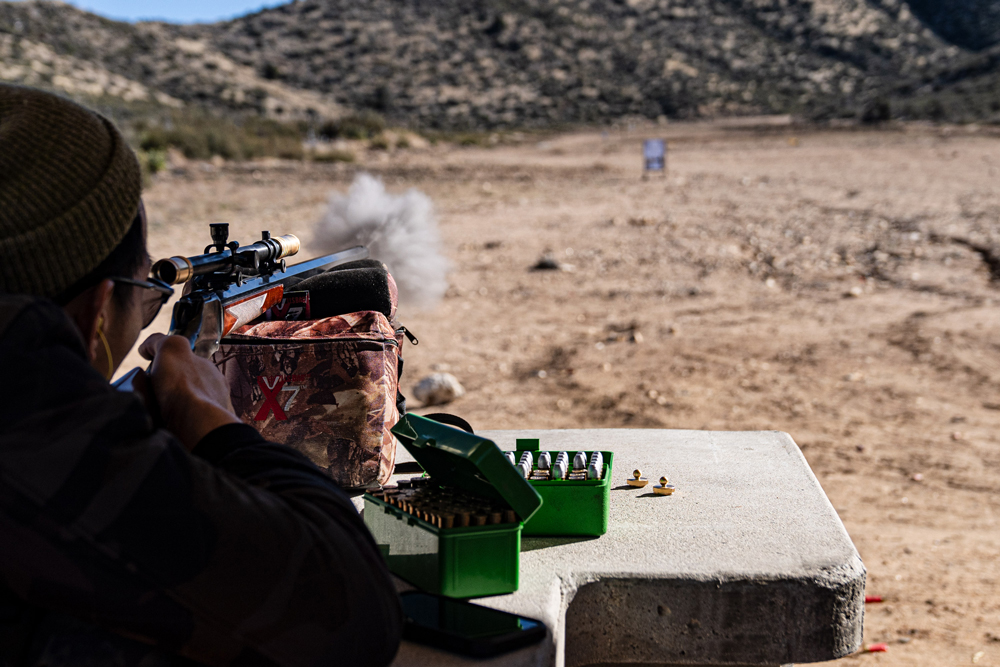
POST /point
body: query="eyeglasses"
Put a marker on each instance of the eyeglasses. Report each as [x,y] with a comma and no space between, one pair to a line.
[151,307]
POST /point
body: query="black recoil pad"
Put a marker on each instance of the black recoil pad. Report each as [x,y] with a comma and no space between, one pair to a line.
[348,290]
[292,283]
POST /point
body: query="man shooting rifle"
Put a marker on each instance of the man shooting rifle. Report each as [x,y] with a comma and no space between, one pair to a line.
[122,543]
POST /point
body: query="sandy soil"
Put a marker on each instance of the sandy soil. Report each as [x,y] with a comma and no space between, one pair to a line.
[823,284]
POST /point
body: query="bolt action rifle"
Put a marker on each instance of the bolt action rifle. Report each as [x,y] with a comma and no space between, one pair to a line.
[230,285]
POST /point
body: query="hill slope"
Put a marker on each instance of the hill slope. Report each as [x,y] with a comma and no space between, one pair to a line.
[494,63]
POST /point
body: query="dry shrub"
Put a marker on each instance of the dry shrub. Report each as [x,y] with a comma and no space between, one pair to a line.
[201,136]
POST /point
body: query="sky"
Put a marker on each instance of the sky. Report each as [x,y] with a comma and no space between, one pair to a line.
[178,11]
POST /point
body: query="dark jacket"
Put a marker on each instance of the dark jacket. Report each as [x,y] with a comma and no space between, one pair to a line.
[114,538]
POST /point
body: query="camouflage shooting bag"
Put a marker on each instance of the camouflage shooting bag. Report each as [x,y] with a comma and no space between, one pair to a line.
[321,372]
[327,387]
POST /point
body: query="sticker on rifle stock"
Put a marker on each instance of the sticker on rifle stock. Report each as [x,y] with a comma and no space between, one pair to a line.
[293,307]
[271,386]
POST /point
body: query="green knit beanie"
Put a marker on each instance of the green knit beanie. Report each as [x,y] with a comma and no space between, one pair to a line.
[69,191]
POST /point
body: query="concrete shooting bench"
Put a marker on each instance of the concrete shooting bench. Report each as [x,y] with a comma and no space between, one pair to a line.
[747,563]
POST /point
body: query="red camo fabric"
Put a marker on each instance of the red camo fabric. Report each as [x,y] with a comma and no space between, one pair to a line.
[325,387]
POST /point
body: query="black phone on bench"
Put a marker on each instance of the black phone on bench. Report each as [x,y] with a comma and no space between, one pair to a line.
[465,628]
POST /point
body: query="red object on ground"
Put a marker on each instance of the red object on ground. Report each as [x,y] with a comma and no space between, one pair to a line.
[873,598]
[877,648]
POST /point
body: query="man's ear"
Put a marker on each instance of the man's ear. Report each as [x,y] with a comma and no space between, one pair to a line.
[88,310]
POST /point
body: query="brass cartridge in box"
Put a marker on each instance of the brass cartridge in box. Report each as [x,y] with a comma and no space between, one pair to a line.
[456,532]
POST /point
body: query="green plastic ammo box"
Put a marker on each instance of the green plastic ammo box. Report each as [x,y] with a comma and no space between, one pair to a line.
[459,562]
[569,507]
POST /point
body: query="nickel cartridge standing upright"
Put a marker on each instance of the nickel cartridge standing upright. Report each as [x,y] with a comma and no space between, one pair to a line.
[545,460]
[561,467]
[526,458]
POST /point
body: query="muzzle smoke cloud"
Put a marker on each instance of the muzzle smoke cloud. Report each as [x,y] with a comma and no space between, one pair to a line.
[399,230]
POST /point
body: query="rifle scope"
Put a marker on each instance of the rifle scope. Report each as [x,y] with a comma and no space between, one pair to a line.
[229,260]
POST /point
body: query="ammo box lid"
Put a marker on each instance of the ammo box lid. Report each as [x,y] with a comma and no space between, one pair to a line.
[468,461]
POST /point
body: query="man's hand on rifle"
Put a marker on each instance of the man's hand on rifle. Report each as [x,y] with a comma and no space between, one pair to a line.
[191,392]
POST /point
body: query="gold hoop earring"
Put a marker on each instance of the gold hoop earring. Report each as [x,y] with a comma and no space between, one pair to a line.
[107,350]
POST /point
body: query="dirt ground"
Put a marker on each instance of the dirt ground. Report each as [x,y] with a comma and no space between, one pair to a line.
[834,285]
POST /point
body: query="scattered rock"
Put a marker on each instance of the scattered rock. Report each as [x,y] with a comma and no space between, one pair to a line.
[642,221]
[438,388]
[548,262]
[628,332]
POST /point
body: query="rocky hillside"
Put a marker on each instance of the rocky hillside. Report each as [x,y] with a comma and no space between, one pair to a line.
[497,63]
[53,45]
